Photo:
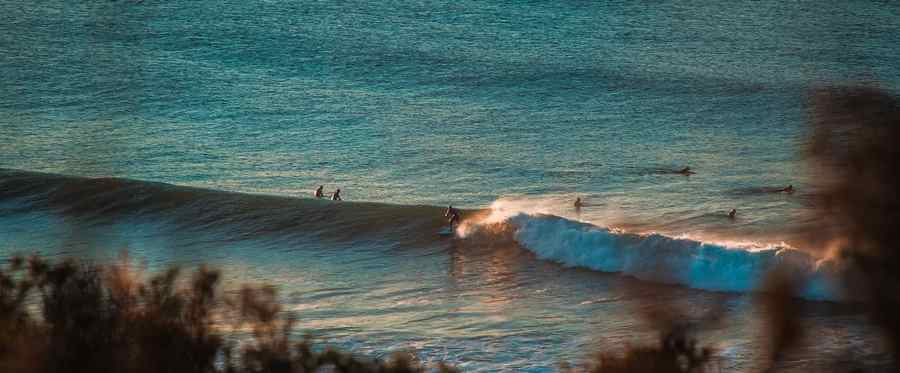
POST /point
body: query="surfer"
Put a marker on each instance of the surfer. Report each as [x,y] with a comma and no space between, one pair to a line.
[732,214]
[789,189]
[319,193]
[336,196]
[686,171]
[578,203]
[452,215]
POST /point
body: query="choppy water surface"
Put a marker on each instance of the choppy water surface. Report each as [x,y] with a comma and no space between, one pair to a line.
[507,108]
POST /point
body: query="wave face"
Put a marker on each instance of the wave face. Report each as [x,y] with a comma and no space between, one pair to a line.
[660,258]
[230,216]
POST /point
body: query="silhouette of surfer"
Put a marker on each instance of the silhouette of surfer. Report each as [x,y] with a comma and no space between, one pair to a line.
[685,171]
[452,215]
[578,203]
[788,189]
[732,214]
[319,193]
[336,196]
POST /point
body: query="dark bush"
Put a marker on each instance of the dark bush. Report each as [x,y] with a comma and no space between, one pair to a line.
[98,319]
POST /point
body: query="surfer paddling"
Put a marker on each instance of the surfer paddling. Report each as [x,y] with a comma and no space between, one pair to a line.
[318,192]
[788,189]
[686,171]
[452,215]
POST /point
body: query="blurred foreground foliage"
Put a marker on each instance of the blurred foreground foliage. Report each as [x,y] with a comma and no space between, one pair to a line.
[72,316]
[98,319]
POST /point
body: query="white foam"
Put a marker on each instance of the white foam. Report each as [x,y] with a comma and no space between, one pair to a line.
[656,257]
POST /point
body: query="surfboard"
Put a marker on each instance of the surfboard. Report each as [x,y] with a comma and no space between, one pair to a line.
[446,231]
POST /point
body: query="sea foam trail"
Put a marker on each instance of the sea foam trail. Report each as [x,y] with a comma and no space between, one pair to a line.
[660,258]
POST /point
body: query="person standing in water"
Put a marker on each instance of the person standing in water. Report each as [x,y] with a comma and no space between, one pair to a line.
[319,193]
[578,203]
[452,215]
[336,196]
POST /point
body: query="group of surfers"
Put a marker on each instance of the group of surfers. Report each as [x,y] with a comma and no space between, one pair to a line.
[336,196]
[731,214]
[453,215]
[687,172]
[788,189]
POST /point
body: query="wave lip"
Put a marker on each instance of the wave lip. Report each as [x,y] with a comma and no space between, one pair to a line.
[656,257]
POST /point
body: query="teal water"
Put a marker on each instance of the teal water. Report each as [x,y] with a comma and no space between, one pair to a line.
[433,103]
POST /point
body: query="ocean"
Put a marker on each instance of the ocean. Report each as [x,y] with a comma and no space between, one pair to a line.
[195,132]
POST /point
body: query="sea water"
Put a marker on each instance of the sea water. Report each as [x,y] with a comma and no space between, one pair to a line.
[510,110]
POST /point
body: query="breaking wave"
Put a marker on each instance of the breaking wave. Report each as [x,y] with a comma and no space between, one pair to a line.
[733,267]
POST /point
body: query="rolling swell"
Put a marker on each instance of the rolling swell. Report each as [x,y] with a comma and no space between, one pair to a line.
[229,215]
